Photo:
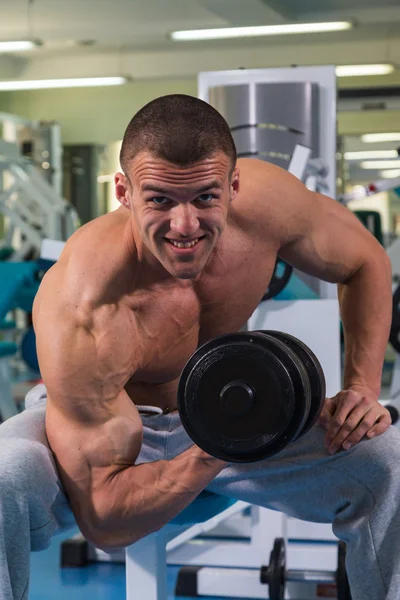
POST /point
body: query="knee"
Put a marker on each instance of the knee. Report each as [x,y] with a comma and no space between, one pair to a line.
[25,466]
[380,457]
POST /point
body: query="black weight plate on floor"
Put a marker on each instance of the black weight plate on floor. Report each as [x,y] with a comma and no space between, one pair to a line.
[259,362]
[315,374]
[276,572]
[279,280]
[342,582]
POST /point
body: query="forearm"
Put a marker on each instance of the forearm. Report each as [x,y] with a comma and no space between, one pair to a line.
[366,310]
[141,499]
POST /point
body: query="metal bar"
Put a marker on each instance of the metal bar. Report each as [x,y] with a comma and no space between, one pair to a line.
[311,576]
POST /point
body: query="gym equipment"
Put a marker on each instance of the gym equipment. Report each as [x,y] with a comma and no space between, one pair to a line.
[245,396]
[8,408]
[314,371]
[19,285]
[375,187]
[276,576]
[371,219]
[28,350]
[282,133]
[279,280]
[33,207]
[394,336]
[146,563]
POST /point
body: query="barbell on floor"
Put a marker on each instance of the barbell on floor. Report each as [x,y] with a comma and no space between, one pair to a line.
[275,575]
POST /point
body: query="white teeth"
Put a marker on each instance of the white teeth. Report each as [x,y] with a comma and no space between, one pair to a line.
[188,245]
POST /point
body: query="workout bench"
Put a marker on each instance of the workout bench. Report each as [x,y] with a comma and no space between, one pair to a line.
[146,560]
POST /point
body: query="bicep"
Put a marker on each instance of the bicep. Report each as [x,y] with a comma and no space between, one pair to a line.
[88,456]
[85,387]
[92,425]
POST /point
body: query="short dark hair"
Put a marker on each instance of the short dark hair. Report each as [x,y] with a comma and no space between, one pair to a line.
[178,128]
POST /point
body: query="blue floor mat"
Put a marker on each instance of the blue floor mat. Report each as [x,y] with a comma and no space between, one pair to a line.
[100,581]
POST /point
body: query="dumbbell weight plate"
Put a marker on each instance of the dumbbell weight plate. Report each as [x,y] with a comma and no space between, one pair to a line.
[315,374]
[241,396]
[275,574]
[342,582]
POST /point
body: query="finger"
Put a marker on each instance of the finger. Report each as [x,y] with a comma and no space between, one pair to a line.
[336,425]
[361,418]
[328,410]
[365,425]
[350,403]
[380,426]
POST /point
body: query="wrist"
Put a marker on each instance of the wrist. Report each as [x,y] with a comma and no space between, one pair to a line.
[363,387]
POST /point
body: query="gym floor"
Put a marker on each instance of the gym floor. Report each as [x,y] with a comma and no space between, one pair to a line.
[101,581]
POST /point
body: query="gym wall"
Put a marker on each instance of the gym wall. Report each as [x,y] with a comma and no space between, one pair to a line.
[92,115]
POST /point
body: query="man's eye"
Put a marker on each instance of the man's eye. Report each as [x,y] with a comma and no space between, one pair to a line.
[159,200]
[205,197]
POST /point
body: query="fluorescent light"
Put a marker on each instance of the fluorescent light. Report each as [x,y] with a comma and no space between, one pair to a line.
[370,138]
[17,46]
[356,70]
[41,84]
[390,173]
[364,155]
[234,32]
[381,164]
[105,178]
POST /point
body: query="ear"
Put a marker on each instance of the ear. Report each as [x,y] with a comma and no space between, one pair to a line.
[234,185]
[122,190]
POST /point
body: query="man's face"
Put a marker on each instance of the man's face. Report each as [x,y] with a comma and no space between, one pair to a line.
[180,213]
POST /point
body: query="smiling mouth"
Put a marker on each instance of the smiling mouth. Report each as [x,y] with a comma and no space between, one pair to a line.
[185,245]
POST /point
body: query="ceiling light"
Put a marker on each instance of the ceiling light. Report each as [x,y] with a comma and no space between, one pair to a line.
[235,32]
[390,173]
[370,138]
[357,70]
[381,164]
[364,155]
[41,84]
[17,46]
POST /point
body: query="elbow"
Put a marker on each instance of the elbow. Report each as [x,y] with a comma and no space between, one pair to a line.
[112,534]
[111,542]
[377,261]
[381,262]
[99,531]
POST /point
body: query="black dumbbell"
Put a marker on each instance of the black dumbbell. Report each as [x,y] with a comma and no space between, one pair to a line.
[245,396]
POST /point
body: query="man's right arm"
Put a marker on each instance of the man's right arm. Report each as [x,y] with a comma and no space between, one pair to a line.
[95,430]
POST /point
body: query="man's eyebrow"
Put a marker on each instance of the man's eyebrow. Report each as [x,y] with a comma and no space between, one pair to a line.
[151,187]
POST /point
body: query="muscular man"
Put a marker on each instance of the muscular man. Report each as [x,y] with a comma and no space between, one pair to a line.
[187,257]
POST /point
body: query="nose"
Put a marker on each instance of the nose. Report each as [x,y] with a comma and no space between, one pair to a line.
[184,220]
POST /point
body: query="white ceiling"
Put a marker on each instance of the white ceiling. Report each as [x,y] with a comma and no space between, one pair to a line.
[131,37]
[143,25]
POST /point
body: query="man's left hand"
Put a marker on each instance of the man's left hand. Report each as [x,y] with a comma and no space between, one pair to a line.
[350,415]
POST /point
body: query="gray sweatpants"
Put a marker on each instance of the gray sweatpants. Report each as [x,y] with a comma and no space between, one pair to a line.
[358,491]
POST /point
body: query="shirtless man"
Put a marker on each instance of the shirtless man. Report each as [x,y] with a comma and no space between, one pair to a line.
[187,257]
